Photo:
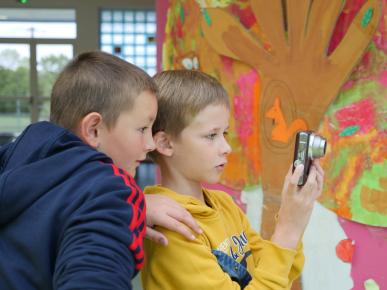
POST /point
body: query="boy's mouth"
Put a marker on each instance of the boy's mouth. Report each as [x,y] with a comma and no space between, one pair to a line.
[220,166]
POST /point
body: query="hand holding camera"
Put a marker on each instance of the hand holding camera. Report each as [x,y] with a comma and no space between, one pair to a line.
[303,185]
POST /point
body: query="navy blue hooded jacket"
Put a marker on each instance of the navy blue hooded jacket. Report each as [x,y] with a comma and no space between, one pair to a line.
[69,218]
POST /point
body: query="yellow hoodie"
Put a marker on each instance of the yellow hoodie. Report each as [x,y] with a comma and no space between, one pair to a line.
[191,265]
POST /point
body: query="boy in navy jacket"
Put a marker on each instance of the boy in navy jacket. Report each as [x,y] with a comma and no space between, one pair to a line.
[71,215]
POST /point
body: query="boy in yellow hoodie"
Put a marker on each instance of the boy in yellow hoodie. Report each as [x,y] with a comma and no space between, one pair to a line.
[191,148]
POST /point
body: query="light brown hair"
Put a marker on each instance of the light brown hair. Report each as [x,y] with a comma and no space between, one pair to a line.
[97,82]
[182,94]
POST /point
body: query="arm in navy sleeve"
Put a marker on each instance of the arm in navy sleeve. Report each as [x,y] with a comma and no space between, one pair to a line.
[101,247]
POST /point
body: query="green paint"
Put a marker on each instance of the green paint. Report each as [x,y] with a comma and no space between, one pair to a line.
[249,188]
[340,163]
[193,44]
[207,17]
[353,95]
[371,284]
[349,131]
[372,47]
[182,14]
[367,17]
[171,58]
[177,8]
[201,31]
[370,178]
[180,43]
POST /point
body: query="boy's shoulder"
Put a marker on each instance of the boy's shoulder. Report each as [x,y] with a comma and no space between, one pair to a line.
[113,174]
[221,197]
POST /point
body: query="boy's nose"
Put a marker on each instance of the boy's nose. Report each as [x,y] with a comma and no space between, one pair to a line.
[226,148]
[150,144]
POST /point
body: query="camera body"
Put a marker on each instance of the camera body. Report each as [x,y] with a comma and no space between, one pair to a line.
[308,146]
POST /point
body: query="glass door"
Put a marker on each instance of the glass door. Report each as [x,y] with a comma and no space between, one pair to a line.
[51,59]
[35,45]
[14,87]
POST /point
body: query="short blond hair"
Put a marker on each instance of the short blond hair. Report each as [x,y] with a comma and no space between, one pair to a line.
[182,94]
[97,82]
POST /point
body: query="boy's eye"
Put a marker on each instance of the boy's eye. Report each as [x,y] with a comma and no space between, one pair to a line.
[211,136]
[143,129]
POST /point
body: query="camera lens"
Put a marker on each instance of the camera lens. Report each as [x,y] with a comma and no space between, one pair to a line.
[317,147]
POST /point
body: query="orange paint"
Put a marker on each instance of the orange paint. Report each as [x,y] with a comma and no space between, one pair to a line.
[374,200]
[253,139]
[236,171]
[347,181]
[345,249]
[344,212]
[281,131]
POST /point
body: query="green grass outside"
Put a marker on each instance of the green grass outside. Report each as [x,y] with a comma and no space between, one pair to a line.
[17,122]
[14,123]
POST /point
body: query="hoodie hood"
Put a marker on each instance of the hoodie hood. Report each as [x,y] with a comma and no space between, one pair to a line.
[196,207]
[33,164]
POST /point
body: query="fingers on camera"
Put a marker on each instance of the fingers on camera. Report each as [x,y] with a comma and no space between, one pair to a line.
[297,174]
[311,182]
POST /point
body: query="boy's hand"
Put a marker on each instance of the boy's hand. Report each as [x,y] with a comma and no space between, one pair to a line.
[164,211]
[297,205]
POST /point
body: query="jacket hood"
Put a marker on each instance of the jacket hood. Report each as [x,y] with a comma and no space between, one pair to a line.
[42,157]
[196,207]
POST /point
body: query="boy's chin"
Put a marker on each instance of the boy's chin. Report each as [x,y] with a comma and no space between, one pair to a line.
[131,171]
[212,180]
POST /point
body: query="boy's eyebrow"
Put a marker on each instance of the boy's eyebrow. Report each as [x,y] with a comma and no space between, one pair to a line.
[218,128]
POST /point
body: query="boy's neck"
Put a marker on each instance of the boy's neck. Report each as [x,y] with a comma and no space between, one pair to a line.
[178,183]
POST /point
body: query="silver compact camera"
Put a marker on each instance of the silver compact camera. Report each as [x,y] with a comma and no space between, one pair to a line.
[308,146]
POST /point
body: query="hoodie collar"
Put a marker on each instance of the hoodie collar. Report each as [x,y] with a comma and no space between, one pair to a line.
[195,206]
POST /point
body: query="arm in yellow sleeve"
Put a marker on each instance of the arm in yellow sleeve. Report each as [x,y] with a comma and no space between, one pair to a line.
[284,264]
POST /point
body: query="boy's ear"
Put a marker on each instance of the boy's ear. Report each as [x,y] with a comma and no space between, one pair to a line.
[163,143]
[89,129]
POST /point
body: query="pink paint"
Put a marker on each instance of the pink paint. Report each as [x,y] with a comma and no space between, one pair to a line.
[236,195]
[179,28]
[348,85]
[370,257]
[349,12]
[383,78]
[242,109]
[366,60]
[246,16]
[243,106]
[360,114]
[161,18]
[345,19]
[227,64]
[380,35]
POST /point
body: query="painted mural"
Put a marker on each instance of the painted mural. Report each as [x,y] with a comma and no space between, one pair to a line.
[288,67]
[356,125]
[288,79]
